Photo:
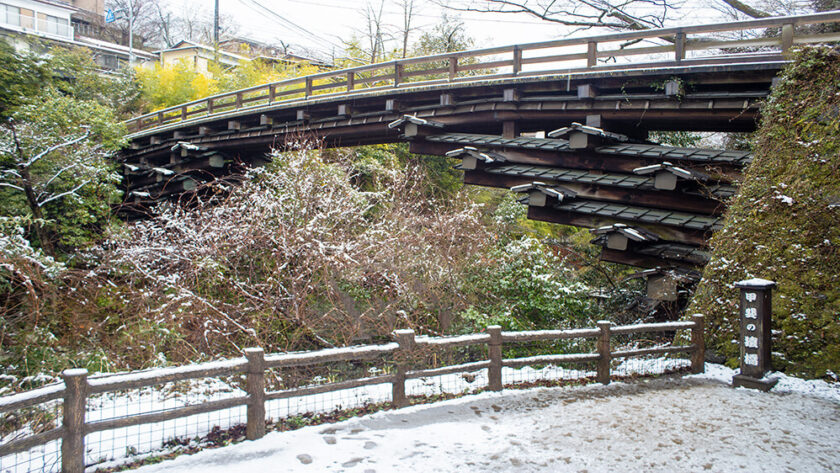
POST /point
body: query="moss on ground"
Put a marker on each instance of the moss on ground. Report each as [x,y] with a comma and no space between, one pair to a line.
[784,224]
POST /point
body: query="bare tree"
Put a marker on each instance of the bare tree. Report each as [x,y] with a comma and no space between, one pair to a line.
[375,30]
[408,9]
[613,14]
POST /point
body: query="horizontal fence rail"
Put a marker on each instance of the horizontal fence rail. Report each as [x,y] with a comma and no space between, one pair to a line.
[77,386]
[461,67]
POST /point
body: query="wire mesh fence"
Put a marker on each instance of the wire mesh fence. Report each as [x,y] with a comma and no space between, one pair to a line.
[127,442]
[148,413]
[23,423]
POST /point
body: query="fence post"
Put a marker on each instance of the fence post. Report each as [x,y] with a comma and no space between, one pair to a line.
[604,352]
[787,37]
[698,357]
[73,437]
[406,340]
[679,47]
[494,348]
[453,68]
[255,385]
[517,60]
[591,54]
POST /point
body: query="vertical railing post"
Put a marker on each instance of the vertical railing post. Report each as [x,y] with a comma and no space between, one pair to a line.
[73,436]
[604,352]
[272,92]
[183,113]
[405,338]
[517,60]
[255,386]
[591,54]
[351,81]
[308,87]
[398,70]
[679,47]
[238,100]
[494,352]
[787,37]
[453,68]
[698,356]
[210,106]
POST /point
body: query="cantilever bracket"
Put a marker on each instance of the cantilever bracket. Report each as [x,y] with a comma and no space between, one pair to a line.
[470,157]
[539,193]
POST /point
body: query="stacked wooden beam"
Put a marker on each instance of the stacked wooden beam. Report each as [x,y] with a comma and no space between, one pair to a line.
[647,205]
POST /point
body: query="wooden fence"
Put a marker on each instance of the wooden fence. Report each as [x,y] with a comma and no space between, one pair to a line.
[464,66]
[77,387]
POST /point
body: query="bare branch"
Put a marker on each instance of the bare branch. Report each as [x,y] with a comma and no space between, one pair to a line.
[63,194]
[56,147]
[6,184]
[746,9]
[55,176]
[577,13]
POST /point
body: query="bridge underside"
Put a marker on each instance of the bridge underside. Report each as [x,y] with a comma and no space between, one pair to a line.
[648,205]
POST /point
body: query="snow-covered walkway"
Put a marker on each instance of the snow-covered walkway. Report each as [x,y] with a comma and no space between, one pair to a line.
[695,423]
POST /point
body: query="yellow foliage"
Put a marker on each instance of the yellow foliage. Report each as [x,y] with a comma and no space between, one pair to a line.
[173,84]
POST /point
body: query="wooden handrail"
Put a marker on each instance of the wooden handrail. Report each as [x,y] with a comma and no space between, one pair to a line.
[255,365]
[394,76]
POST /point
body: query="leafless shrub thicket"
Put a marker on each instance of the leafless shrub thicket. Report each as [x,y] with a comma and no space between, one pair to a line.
[295,258]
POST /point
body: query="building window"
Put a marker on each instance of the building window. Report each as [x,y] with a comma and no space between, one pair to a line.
[57,26]
[9,15]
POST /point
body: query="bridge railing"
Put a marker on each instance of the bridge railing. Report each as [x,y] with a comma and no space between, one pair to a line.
[58,424]
[546,57]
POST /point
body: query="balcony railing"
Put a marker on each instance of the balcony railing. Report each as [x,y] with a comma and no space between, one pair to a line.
[33,24]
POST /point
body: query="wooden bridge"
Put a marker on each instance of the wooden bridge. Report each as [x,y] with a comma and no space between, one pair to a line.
[564,122]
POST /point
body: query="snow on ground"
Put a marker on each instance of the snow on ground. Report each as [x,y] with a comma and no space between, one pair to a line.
[694,423]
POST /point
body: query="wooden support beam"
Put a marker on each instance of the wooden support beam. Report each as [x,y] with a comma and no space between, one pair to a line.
[303,115]
[631,258]
[179,134]
[550,214]
[511,95]
[676,201]
[205,130]
[510,129]
[587,91]
[266,120]
[344,110]
[154,140]
[453,68]
[392,105]
[447,100]
[582,159]
[234,125]
[595,121]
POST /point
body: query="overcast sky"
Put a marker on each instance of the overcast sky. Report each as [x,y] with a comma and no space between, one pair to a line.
[321,24]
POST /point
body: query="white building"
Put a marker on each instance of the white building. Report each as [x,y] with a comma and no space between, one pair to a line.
[21,21]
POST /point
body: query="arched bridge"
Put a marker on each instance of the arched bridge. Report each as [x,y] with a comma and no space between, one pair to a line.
[564,122]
